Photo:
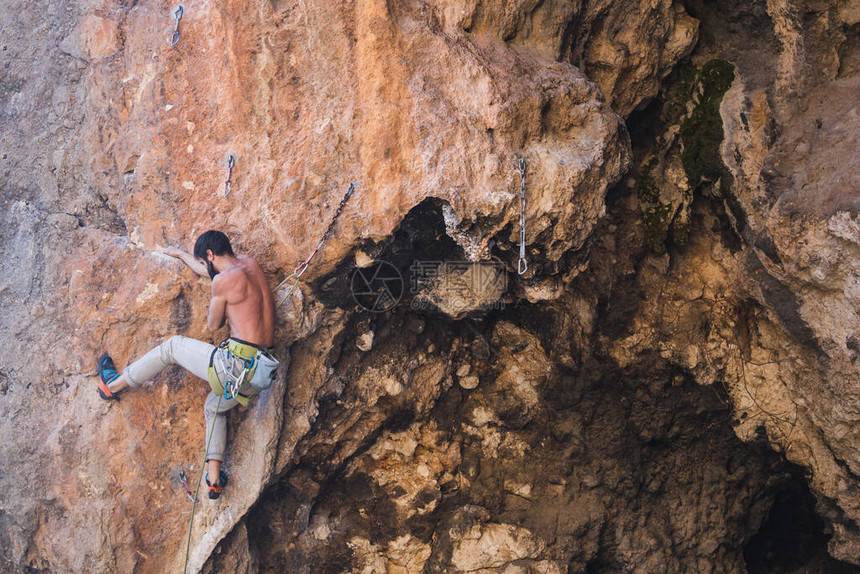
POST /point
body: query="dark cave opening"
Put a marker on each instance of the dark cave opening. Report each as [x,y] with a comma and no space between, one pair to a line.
[793,538]
[420,238]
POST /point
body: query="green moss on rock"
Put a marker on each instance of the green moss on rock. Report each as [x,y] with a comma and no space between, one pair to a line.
[702,132]
[646,187]
[678,95]
[693,101]
[680,231]
[658,218]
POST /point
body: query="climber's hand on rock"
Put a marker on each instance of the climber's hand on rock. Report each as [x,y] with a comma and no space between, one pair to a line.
[188,259]
[174,252]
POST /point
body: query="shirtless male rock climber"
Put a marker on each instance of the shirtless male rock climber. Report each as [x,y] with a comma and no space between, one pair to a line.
[240,297]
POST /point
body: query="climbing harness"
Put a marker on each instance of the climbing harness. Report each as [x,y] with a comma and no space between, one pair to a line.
[240,363]
[231,161]
[184,479]
[303,266]
[522,264]
[177,15]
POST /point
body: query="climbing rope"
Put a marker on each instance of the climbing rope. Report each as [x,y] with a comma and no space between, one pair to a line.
[522,264]
[177,15]
[303,266]
[199,480]
[231,390]
[231,161]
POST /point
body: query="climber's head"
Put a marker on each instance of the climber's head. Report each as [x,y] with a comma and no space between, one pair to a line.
[209,245]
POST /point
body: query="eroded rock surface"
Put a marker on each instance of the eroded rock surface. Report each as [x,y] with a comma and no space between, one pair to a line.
[494,479]
[636,402]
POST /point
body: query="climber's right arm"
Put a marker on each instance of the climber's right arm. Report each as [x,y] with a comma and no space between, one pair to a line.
[188,259]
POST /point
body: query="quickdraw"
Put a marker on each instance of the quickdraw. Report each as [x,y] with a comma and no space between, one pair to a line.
[303,266]
[177,15]
[184,479]
[231,389]
[522,264]
[234,382]
[228,186]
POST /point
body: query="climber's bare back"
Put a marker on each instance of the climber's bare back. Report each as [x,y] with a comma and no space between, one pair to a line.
[241,295]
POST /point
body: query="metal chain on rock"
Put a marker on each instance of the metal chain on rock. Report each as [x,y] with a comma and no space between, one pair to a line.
[522,264]
[303,266]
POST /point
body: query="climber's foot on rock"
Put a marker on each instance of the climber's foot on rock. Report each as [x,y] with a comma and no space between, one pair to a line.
[107,374]
[216,489]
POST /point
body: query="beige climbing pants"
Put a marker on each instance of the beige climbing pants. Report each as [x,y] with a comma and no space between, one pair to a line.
[193,356]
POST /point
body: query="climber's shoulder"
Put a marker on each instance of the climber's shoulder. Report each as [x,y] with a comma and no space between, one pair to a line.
[247,276]
[249,263]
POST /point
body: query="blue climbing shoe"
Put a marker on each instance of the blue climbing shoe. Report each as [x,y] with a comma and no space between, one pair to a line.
[107,374]
[215,489]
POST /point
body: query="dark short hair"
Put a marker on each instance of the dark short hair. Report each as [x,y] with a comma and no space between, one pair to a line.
[214,240]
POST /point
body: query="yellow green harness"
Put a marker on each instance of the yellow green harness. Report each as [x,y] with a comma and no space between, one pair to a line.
[237,359]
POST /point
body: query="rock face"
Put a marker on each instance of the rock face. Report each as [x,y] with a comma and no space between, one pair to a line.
[531,470]
[680,354]
[771,307]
